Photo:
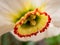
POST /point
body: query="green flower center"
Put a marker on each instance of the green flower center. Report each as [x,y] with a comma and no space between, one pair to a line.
[28,19]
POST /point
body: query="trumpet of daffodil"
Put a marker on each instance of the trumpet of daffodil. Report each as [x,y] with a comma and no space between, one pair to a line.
[25,17]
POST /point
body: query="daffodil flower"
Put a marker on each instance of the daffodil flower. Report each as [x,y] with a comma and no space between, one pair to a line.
[25,17]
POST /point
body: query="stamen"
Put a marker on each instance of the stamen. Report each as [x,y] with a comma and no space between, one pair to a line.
[30,16]
[33,22]
[33,16]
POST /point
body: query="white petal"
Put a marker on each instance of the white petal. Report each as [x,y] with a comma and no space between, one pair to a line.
[56,18]
[37,3]
[5,26]
[5,9]
[52,6]
[52,31]
[53,9]
[8,7]
[12,6]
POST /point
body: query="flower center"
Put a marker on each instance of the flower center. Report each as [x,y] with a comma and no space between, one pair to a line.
[29,18]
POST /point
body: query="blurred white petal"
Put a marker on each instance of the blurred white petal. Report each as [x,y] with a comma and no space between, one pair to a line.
[56,18]
[5,26]
[52,7]
[52,31]
[13,6]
